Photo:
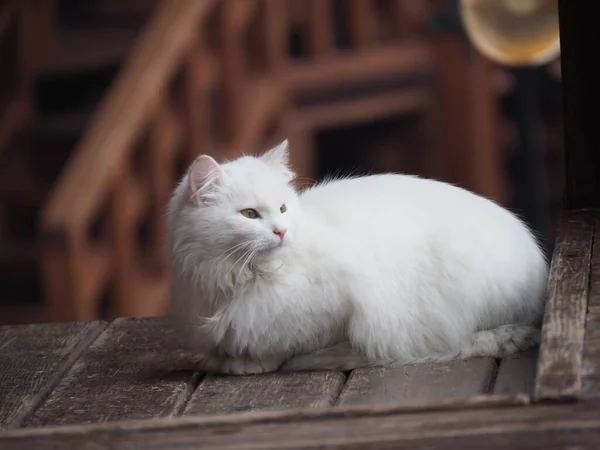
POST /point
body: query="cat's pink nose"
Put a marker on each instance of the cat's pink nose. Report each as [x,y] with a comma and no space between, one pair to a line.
[280,232]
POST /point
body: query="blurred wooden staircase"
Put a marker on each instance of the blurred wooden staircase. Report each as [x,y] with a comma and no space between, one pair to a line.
[87,43]
[153,87]
[217,77]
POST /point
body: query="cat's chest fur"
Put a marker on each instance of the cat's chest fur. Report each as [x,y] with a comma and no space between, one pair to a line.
[277,305]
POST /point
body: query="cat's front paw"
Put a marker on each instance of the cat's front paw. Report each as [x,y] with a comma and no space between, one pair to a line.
[225,365]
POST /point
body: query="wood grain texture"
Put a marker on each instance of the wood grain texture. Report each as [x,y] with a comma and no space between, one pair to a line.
[591,355]
[426,382]
[591,350]
[33,359]
[485,401]
[135,370]
[272,391]
[594,297]
[516,373]
[560,361]
[556,426]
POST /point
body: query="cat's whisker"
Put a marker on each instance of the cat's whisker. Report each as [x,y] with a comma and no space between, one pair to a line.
[236,247]
[246,262]
[231,251]
[235,263]
[239,247]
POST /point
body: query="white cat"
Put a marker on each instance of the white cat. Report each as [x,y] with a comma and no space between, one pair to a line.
[375,270]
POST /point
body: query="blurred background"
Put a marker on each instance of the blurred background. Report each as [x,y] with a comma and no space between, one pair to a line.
[104,103]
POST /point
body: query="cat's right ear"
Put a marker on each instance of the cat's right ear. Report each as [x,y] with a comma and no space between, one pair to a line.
[203,173]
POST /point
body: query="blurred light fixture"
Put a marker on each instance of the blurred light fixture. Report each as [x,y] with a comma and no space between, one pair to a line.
[513,32]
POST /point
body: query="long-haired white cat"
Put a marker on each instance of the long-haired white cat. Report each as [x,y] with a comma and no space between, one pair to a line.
[376,270]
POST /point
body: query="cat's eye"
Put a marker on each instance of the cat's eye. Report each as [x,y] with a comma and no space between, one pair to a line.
[250,213]
[283,208]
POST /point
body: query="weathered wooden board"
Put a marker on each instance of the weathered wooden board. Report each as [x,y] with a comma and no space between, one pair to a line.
[516,373]
[591,355]
[591,350]
[412,383]
[594,297]
[273,391]
[134,370]
[561,349]
[549,426]
[33,360]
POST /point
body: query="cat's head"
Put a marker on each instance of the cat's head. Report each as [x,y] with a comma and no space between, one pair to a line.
[245,206]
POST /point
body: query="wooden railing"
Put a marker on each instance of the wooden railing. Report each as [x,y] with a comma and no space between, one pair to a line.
[103,229]
[214,77]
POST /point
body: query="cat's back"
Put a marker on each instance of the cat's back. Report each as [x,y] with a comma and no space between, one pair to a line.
[414,214]
[420,236]
[397,197]
[403,189]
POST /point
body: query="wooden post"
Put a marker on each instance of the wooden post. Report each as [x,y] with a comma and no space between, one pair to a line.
[580,75]
[469,113]
[321,33]
[362,23]
[235,13]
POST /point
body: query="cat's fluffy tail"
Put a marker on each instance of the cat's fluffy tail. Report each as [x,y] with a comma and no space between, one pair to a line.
[496,343]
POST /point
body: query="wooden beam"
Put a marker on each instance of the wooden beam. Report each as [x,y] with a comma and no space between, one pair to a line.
[553,427]
[561,348]
[413,58]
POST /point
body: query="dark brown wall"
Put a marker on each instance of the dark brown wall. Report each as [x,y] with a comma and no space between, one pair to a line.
[581,75]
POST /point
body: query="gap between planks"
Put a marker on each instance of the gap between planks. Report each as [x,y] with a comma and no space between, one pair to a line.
[459,379]
[35,359]
[138,369]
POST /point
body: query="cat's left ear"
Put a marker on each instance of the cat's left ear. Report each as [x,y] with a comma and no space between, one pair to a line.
[279,157]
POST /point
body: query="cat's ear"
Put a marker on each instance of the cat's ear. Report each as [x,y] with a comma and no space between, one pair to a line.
[278,155]
[203,173]
[279,158]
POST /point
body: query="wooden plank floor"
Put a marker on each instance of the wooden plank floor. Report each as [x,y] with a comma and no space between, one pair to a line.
[34,359]
[66,374]
[94,380]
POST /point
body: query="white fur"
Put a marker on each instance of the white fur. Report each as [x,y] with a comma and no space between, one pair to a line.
[382,269]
